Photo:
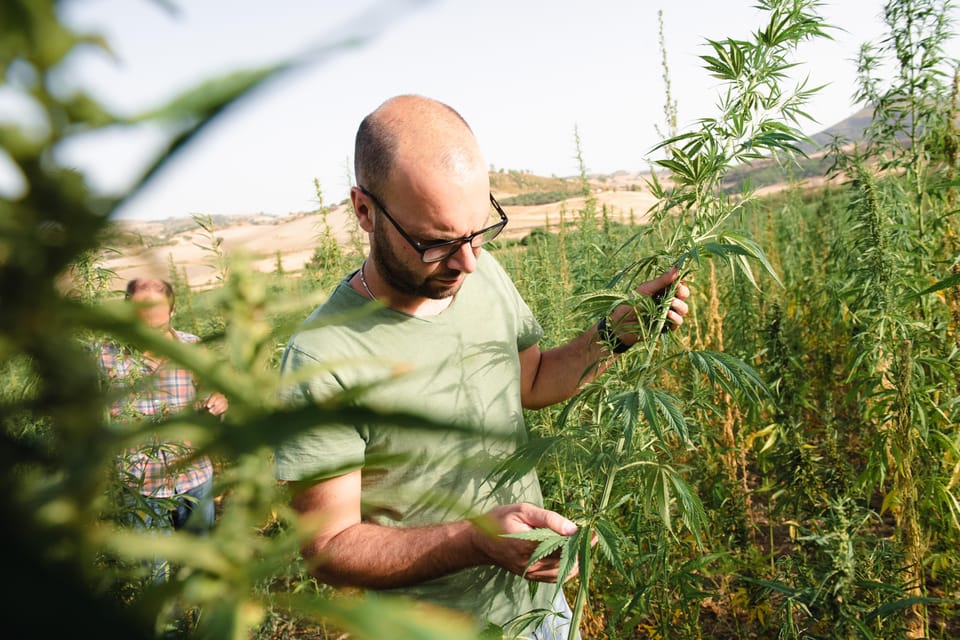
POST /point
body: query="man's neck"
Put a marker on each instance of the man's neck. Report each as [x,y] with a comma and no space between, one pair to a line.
[373,288]
[428,307]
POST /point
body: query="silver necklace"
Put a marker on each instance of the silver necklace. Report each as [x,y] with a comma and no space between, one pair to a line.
[363,281]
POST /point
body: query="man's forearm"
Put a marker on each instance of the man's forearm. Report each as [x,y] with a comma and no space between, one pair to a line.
[561,372]
[377,557]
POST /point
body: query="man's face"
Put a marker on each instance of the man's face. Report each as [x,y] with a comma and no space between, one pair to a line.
[451,212]
[153,307]
[406,273]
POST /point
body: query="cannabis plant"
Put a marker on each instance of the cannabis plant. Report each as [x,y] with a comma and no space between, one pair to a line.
[65,555]
[622,438]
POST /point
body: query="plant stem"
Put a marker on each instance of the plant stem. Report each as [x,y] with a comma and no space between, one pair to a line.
[584,587]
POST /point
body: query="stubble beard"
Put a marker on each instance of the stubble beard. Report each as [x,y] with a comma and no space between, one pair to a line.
[403,280]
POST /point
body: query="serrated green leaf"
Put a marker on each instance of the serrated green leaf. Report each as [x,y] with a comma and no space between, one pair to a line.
[729,373]
[542,534]
[903,604]
[546,547]
[946,283]
[571,550]
[523,460]
[608,542]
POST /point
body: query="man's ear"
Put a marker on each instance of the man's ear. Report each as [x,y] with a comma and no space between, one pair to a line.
[363,209]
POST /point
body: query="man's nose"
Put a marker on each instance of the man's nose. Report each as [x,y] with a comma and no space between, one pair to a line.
[464,259]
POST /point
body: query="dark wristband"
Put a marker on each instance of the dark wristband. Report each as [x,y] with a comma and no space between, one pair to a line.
[610,338]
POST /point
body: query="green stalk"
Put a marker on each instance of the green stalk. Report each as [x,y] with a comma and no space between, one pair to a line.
[585,556]
[608,485]
[584,588]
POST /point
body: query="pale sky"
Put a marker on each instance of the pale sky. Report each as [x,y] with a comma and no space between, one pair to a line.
[523,73]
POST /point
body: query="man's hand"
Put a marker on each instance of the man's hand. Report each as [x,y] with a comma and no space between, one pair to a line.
[623,321]
[658,287]
[513,554]
[215,405]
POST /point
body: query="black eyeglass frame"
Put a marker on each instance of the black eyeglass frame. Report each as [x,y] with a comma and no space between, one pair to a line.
[454,244]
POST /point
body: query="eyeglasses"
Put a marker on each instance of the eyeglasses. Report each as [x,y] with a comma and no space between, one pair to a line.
[443,249]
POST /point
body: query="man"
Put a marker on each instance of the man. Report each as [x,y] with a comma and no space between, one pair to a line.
[448,337]
[176,488]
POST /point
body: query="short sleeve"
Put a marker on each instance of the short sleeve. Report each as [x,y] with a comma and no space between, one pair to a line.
[529,331]
[325,450]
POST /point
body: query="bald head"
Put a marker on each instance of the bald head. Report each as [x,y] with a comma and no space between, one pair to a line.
[413,132]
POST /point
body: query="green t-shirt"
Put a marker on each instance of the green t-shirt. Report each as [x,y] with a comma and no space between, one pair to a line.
[460,367]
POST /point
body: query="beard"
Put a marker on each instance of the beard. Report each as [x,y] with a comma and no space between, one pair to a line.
[406,281]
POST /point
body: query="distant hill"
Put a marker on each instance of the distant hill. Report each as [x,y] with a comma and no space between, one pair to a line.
[522,188]
[851,129]
[766,172]
[152,248]
[532,202]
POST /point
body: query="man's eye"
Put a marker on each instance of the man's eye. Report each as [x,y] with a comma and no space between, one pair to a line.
[435,243]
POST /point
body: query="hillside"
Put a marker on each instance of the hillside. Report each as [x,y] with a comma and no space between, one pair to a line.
[852,128]
[529,200]
[812,168]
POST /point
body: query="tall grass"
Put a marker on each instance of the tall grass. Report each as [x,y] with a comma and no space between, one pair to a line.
[787,465]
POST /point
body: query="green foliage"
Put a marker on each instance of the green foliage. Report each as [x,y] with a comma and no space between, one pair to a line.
[637,431]
[785,465]
[844,279]
[58,447]
[769,171]
[534,198]
[328,257]
[669,104]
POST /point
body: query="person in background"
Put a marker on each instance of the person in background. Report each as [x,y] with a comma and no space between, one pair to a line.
[436,328]
[174,484]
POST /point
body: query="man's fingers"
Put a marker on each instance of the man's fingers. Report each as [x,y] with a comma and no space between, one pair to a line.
[216,404]
[679,307]
[658,288]
[548,570]
[659,284]
[555,522]
[513,554]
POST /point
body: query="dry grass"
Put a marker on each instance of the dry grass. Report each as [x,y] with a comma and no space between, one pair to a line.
[295,237]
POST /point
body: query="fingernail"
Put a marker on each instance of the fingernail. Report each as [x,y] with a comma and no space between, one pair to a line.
[569,528]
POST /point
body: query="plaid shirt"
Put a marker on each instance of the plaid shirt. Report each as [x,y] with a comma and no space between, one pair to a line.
[156,468]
